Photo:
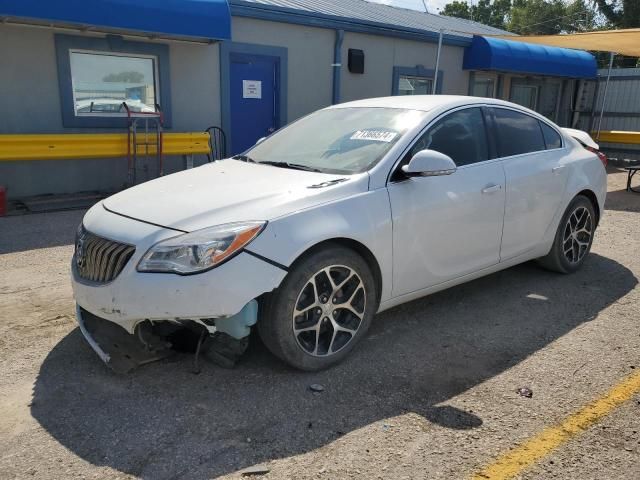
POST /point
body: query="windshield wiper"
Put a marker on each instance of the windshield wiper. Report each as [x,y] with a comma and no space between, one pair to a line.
[293,166]
[244,158]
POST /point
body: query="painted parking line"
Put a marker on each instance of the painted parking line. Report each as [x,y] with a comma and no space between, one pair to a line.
[515,461]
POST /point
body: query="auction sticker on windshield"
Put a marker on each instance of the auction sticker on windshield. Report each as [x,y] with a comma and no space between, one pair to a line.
[374,135]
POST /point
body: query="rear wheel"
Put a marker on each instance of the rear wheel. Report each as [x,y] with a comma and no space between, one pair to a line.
[322,309]
[573,239]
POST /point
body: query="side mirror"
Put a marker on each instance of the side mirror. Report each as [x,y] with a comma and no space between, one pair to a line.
[429,163]
[260,140]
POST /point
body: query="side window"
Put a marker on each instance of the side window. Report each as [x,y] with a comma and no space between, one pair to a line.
[461,135]
[551,137]
[517,133]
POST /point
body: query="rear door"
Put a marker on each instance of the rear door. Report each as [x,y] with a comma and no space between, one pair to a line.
[532,152]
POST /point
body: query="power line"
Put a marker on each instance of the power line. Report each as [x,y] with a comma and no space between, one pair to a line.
[555,19]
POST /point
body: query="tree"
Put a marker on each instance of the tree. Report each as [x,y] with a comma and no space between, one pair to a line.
[529,17]
[579,17]
[620,13]
[457,8]
[536,17]
[124,77]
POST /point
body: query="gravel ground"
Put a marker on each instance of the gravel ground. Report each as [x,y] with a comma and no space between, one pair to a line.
[429,394]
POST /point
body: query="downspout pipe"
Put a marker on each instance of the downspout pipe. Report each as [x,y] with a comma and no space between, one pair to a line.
[337,65]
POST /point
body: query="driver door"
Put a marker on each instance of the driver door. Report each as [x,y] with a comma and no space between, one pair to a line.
[445,227]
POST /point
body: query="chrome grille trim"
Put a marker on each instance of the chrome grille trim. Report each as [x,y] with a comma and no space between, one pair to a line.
[99,259]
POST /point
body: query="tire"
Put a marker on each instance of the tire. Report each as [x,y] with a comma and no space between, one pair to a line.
[324,331]
[570,249]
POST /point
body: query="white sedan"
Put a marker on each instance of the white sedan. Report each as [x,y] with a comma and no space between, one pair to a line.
[347,212]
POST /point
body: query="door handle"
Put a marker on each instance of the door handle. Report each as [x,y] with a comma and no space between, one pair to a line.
[492,189]
[557,169]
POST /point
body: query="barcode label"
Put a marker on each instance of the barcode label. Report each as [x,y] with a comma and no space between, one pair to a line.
[374,135]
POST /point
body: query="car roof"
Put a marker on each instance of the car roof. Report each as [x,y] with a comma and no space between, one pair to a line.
[423,102]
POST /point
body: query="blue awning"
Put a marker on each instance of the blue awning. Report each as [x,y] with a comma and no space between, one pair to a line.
[486,53]
[203,19]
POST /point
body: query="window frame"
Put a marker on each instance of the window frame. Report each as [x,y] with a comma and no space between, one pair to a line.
[417,71]
[524,82]
[486,75]
[156,83]
[494,129]
[109,45]
[428,80]
[562,143]
[396,175]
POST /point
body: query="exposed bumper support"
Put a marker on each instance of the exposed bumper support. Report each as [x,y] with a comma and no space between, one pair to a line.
[120,350]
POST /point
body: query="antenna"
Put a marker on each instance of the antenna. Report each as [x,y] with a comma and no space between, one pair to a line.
[424,2]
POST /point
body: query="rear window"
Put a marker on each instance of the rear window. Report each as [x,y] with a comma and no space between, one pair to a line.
[517,133]
[551,137]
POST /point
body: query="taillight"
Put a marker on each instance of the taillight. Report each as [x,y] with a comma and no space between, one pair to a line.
[601,156]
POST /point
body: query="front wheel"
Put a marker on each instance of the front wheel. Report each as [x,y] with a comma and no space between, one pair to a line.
[323,308]
[573,239]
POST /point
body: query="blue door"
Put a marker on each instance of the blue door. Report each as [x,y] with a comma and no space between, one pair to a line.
[254,99]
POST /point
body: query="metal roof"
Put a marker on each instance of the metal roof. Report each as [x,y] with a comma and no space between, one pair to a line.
[369,13]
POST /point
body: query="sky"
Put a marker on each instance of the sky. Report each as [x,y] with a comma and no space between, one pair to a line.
[433,5]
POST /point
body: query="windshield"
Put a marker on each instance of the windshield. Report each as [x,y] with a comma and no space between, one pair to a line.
[341,140]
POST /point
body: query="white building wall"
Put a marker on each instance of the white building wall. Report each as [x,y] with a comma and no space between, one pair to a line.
[383,53]
[310,55]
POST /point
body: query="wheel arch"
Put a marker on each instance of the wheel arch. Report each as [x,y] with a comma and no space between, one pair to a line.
[358,247]
[590,194]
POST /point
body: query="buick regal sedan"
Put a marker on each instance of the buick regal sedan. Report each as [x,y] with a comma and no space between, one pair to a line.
[347,212]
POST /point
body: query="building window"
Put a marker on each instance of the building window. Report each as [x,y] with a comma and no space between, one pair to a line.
[414,81]
[408,85]
[96,75]
[483,86]
[525,95]
[102,82]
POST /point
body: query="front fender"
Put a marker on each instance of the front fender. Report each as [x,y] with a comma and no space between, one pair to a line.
[364,218]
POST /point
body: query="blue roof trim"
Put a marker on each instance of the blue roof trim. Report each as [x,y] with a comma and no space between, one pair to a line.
[209,19]
[322,20]
[496,54]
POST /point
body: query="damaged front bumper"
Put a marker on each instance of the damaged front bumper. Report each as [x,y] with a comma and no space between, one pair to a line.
[120,318]
[123,351]
[120,350]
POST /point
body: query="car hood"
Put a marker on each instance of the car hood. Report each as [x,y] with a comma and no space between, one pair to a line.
[230,191]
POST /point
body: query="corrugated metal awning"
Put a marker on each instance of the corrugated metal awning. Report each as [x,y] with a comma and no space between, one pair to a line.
[498,54]
[624,42]
[201,19]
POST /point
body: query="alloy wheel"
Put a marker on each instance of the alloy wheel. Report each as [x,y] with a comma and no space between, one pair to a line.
[577,235]
[329,310]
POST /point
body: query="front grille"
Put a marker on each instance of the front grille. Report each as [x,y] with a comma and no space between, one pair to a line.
[98,259]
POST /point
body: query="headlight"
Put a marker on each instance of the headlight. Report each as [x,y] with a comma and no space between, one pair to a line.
[201,250]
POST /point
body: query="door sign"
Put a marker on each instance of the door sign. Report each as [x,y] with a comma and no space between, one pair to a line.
[251,89]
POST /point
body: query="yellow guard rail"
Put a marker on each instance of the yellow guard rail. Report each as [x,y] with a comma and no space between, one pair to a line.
[616,136]
[93,145]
